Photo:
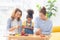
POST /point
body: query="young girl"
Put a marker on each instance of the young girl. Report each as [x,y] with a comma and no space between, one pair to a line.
[28,24]
[14,23]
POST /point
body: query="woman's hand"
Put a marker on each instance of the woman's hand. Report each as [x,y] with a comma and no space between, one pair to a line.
[18,27]
[13,28]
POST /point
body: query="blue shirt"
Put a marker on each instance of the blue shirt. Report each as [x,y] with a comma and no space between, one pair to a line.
[10,24]
[45,26]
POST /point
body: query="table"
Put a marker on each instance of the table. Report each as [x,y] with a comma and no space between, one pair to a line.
[30,37]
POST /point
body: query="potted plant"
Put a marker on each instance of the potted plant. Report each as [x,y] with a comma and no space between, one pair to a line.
[51,8]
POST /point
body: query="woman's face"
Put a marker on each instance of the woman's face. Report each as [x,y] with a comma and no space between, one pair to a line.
[29,19]
[42,16]
[18,14]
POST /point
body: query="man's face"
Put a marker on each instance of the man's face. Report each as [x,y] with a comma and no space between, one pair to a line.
[41,15]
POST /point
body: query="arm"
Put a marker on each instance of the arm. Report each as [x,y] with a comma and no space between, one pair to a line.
[12,28]
[49,29]
[9,25]
[29,27]
[24,25]
[37,30]
[20,28]
[32,26]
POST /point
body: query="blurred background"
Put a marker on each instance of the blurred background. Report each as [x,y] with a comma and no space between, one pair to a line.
[8,6]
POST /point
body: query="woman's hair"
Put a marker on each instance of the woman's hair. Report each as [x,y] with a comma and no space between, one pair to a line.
[43,10]
[13,15]
[30,13]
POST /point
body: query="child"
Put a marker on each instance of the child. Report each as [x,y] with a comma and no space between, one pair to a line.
[28,24]
[14,24]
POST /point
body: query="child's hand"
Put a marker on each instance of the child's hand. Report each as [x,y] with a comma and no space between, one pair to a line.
[23,32]
[31,28]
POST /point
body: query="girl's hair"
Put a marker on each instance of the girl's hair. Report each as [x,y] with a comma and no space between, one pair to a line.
[43,10]
[30,13]
[13,14]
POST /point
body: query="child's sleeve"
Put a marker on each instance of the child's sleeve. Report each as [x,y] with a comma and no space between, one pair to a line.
[24,24]
[32,24]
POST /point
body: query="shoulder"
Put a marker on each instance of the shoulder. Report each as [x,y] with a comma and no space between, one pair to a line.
[20,20]
[37,18]
[9,19]
[32,23]
[50,21]
[24,22]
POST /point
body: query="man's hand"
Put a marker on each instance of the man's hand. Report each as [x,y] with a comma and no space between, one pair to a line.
[42,35]
[38,32]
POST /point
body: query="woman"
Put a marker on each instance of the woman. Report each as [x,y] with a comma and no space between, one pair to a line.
[14,23]
[28,24]
[43,26]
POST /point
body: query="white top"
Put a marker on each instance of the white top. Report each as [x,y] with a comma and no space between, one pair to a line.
[15,23]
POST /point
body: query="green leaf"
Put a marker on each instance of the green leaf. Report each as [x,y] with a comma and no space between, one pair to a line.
[51,7]
[49,1]
[49,14]
[54,1]
[54,9]
[54,14]
[47,5]
[38,6]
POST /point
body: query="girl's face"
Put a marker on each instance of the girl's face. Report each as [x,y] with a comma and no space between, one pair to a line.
[29,19]
[18,14]
[42,16]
